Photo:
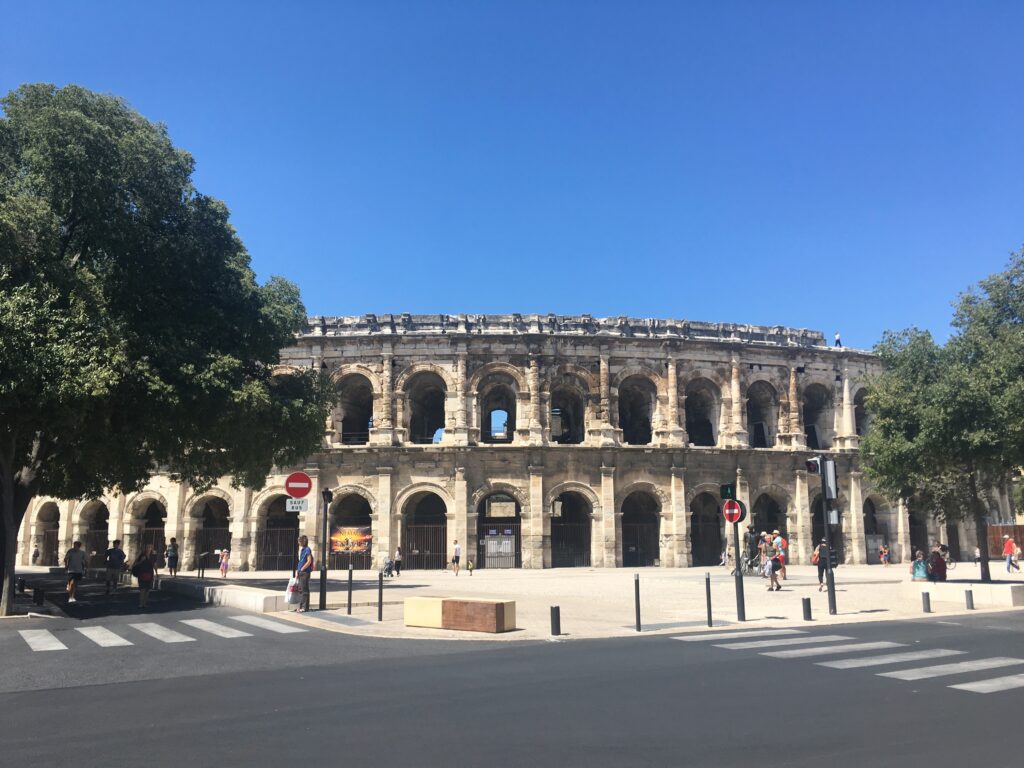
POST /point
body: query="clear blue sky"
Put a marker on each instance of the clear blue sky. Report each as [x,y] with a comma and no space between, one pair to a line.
[830,165]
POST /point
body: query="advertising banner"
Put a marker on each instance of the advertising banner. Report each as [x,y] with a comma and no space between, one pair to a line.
[351,539]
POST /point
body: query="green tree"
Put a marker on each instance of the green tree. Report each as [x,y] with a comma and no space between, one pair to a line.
[134,336]
[947,421]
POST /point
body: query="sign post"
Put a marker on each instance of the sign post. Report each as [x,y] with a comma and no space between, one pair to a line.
[735,512]
[826,468]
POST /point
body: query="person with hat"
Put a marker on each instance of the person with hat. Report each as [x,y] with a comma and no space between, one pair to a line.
[1009,550]
[762,544]
[781,545]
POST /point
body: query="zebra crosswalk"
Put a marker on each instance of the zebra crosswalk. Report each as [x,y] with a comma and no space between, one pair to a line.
[800,644]
[183,631]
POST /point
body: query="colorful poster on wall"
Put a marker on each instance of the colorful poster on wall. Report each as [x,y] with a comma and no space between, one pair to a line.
[351,539]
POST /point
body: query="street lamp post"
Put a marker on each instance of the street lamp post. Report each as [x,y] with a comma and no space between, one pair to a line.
[328,497]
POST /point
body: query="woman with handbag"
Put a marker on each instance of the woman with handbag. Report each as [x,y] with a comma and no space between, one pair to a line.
[771,552]
[144,569]
[820,559]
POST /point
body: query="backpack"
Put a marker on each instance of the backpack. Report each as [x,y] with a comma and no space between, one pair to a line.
[816,557]
[785,544]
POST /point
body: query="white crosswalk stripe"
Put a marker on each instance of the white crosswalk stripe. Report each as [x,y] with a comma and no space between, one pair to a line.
[738,635]
[778,643]
[41,640]
[162,634]
[273,626]
[832,649]
[994,685]
[103,637]
[215,629]
[892,658]
[923,673]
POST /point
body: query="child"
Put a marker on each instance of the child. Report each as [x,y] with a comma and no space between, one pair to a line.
[224,563]
[883,554]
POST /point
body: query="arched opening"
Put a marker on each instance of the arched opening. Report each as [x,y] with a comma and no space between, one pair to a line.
[351,533]
[355,407]
[817,413]
[151,530]
[870,518]
[497,409]
[705,530]
[638,398]
[95,540]
[861,420]
[918,534]
[702,409]
[213,532]
[48,530]
[768,515]
[499,534]
[277,546]
[567,416]
[762,414]
[640,528]
[426,532]
[835,533]
[570,531]
[426,393]
[953,541]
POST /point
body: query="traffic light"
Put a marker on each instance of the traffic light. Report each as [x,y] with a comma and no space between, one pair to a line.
[814,465]
[727,491]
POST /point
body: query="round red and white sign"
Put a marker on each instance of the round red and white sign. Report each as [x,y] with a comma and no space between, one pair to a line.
[732,511]
[298,485]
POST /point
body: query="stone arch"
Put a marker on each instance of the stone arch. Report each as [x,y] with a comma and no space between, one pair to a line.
[861,415]
[352,369]
[355,407]
[762,412]
[403,378]
[573,486]
[261,502]
[817,408]
[569,396]
[645,486]
[350,488]
[640,371]
[84,509]
[353,509]
[490,488]
[688,374]
[45,524]
[637,397]
[137,505]
[403,496]
[563,374]
[702,410]
[192,502]
[697,490]
[777,492]
[485,371]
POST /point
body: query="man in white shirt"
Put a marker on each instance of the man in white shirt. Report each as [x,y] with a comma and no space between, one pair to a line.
[457,557]
[74,561]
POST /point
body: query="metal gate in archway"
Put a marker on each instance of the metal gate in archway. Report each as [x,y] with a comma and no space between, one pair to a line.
[570,544]
[426,547]
[277,549]
[639,544]
[211,541]
[50,555]
[154,536]
[500,544]
[95,544]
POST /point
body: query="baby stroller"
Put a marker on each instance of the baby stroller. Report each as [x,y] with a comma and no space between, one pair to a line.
[389,568]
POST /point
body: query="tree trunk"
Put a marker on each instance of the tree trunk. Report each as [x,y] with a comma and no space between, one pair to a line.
[15,496]
[980,530]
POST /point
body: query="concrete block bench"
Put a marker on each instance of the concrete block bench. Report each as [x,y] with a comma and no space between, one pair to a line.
[469,614]
[995,595]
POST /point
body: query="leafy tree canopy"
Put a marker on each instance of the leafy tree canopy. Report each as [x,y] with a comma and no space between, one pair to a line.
[133,332]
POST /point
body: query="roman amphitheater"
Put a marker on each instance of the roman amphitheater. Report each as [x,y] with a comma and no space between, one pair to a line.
[538,442]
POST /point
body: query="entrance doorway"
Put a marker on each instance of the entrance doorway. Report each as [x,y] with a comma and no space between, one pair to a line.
[351,533]
[151,531]
[48,523]
[640,523]
[499,532]
[95,540]
[426,532]
[278,547]
[705,530]
[570,531]
[213,533]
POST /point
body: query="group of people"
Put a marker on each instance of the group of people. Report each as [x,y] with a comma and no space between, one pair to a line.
[770,551]
[143,568]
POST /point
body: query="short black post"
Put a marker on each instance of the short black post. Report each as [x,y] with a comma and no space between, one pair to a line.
[21,584]
[38,595]
[350,589]
[380,596]
[636,593]
[807,608]
[926,602]
[556,621]
[707,592]
[969,597]
[741,606]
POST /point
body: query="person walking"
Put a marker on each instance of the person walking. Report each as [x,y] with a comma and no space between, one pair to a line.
[883,555]
[144,569]
[771,552]
[783,547]
[35,556]
[114,561]
[1009,550]
[398,561]
[224,555]
[74,562]
[303,571]
[172,557]
[820,559]
[761,543]
[457,557]
[919,568]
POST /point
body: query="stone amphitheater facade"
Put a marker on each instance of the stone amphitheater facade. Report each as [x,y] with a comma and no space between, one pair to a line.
[537,441]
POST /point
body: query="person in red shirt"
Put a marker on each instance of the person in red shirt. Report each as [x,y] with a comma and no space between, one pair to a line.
[1009,549]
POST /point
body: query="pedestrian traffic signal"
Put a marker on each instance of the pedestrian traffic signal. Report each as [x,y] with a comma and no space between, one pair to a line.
[814,465]
[727,491]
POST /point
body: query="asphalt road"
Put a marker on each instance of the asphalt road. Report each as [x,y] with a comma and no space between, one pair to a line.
[275,699]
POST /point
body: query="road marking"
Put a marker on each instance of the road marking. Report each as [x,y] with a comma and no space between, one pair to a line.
[103,637]
[922,673]
[273,626]
[830,649]
[738,635]
[41,640]
[162,634]
[215,629]
[992,686]
[777,643]
[892,658]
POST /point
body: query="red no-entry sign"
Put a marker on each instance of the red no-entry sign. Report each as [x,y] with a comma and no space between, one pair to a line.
[298,485]
[732,511]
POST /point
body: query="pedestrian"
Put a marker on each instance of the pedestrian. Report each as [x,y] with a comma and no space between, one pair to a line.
[919,568]
[883,555]
[977,555]
[936,565]
[839,342]
[723,559]
[74,562]
[457,557]
[398,561]
[35,556]
[751,538]
[1009,550]
[761,541]
[172,557]
[783,548]
[303,571]
[144,569]
[114,562]
[224,555]
[469,566]
[820,559]
[771,552]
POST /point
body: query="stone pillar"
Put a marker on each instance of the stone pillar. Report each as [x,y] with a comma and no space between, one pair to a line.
[536,525]
[671,433]
[65,529]
[383,432]
[903,548]
[857,552]
[602,432]
[681,549]
[458,528]
[460,433]
[849,440]
[801,548]
[739,436]
[386,538]
[605,551]
[533,379]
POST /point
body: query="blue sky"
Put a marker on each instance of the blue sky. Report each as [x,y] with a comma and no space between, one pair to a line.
[840,165]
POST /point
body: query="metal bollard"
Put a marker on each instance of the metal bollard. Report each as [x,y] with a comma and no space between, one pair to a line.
[556,621]
[380,596]
[636,593]
[21,584]
[807,608]
[38,595]
[350,589]
[707,592]
[926,602]
[969,597]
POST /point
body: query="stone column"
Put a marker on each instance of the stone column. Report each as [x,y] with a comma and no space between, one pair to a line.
[386,537]
[739,434]
[671,433]
[602,432]
[605,551]
[801,548]
[383,432]
[857,552]
[903,548]
[65,529]
[458,528]
[850,439]
[460,434]
[797,439]
[536,525]
[681,549]
[533,379]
